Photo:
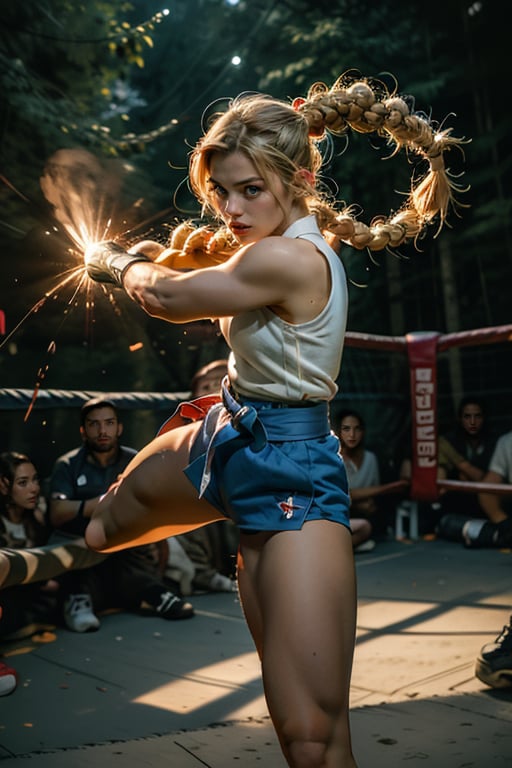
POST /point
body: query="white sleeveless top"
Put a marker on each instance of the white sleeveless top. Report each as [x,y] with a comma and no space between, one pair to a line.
[274,360]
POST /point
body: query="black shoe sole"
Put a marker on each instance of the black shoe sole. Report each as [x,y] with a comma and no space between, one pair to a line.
[183,613]
[496,678]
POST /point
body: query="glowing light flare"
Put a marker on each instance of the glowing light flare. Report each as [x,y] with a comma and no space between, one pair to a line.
[84,193]
[73,275]
[79,276]
[85,233]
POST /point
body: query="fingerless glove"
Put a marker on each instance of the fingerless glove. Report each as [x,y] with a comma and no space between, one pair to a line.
[107,262]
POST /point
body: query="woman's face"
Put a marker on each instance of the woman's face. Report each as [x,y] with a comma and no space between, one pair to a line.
[472,419]
[25,488]
[351,432]
[244,201]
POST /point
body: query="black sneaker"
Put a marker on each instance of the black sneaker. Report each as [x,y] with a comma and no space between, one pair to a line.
[162,602]
[504,534]
[450,526]
[173,607]
[482,533]
[494,664]
[478,534]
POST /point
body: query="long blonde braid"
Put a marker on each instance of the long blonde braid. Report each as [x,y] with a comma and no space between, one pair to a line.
[366,106]
[284,138]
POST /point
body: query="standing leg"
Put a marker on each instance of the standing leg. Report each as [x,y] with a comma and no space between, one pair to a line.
[298,593]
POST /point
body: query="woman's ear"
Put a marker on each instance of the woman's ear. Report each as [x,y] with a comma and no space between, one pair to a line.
[4,486]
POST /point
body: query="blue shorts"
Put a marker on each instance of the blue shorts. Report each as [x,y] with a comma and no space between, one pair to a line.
[240,464]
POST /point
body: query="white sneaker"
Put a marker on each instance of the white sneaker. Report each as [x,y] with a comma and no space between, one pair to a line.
[78,614]
[221,583]
[366,546]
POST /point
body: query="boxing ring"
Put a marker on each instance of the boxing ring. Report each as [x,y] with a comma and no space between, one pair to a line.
[419,352]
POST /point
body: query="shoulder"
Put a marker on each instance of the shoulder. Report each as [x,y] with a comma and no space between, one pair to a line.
[277,244]
[277,255]
[126,450]
[504,442]
[126,454]
[501,458]
[70,457]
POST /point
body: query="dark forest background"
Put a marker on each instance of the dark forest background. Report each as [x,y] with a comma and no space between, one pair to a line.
[129,83]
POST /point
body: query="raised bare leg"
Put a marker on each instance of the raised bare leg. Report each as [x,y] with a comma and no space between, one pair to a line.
[153,499]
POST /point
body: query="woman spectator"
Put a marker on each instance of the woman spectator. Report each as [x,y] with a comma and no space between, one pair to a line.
[22,525]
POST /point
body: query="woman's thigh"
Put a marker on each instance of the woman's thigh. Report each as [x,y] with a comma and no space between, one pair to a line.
[302,594]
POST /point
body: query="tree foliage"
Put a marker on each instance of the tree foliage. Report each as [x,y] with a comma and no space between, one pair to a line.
[128,81]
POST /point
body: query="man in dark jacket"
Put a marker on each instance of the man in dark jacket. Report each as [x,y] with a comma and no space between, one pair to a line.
[129,579]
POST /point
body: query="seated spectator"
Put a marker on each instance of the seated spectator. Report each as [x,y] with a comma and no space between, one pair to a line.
[22,525]
[495,530]
[22,521]
[129,579]
[464,454]
[498,508]
[364,482]
[363,478]
[201,560]
[205,559]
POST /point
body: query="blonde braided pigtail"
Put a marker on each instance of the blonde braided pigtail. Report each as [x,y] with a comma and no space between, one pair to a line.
[193,247]
[366,106]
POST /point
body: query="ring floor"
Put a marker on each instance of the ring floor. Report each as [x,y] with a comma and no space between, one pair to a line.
[151,693]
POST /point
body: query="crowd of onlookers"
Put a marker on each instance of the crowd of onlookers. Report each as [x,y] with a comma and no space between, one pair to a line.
[472,453]
[468,453]
[160,578]
[155,578]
